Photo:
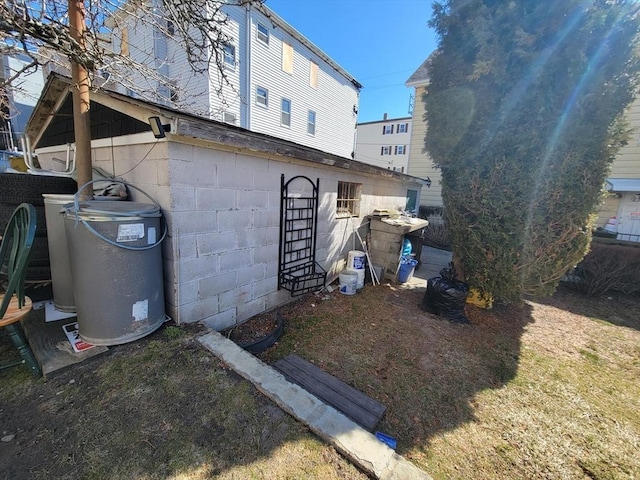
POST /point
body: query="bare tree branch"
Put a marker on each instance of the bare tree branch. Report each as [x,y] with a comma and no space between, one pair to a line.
[40,30]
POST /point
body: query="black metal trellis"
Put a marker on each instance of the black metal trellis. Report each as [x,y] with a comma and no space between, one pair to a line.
[298,271]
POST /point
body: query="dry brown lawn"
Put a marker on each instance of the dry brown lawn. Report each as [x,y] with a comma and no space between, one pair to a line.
[547,390]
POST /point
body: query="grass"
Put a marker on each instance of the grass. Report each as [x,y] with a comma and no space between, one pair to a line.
[547,390]
[159,408]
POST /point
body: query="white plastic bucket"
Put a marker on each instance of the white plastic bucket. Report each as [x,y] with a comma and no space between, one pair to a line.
[356,260]
[359,276]
[348,282]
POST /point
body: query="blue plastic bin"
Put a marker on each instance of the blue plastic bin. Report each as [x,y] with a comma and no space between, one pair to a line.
[407,267]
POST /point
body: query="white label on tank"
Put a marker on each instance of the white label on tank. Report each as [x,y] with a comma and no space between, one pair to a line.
[151,236]
[140,310]
[130,232]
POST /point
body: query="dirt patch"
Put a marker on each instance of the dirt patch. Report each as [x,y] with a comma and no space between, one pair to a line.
[254,329]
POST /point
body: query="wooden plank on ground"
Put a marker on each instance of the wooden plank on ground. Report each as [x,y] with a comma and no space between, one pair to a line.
[354,404]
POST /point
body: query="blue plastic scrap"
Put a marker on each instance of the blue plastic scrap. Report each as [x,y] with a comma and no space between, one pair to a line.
[384,438]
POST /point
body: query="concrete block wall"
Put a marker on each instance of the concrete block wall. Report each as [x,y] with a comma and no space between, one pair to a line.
[227,239]
[222,209]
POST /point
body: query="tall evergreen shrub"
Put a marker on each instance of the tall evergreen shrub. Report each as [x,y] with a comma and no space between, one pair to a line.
[525,115]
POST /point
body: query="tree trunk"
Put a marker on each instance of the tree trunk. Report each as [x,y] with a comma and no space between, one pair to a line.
[81,103]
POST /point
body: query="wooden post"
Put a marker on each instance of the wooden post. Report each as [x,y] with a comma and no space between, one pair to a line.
[81,103]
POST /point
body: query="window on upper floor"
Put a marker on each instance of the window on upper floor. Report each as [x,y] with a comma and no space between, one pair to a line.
[386,150]
[313,74]
[401,149]
[387,129]
[311,122]
[403,127]
[263,34]
[229,55]
[287,58]
[348,204]
[262,97]
[173,91]
[229,118]
[285,112]
[124,42]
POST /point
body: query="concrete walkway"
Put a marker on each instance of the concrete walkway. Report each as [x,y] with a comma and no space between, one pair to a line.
[357,444]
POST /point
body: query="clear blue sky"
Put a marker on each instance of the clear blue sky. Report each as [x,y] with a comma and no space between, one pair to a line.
[380,42]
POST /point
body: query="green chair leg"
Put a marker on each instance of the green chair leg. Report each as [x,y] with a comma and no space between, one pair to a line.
[20,342]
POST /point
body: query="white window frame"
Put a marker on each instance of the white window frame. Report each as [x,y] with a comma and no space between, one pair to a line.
[285,114]
[401,149]
[388,130]
[228,117]
[262,33]
[348,199]
[311,122]
[259,96]
[403,127]
[229,53]
[385,150]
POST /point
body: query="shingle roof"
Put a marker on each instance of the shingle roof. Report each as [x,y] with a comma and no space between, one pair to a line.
[421,75]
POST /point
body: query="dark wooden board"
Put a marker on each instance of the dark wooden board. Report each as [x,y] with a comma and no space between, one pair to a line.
[354,404]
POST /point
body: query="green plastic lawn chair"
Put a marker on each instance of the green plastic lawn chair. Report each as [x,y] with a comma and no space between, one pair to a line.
[14,304]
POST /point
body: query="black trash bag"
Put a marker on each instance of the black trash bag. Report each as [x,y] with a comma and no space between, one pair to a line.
[446,296]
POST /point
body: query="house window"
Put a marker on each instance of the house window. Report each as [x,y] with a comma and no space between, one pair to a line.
[287,58]
[229,118]
[171,29]
[348,204]
[385,150]
[285,113]
[229,55]
[313,74]
[124,42]
[311,122]
[387,129]
[173,91]
[403,127]
[262,97]
[401,149]
[263,34]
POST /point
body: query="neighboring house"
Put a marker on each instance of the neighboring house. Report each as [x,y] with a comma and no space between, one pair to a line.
[282,84]
[219,187]
[620,212]
[384,143]
[420,164]
[22,97]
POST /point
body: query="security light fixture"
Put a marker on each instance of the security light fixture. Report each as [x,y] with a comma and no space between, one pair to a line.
[427,181]
[158,128]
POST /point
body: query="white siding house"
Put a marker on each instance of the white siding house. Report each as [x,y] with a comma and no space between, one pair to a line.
[20,100]
[219,188]
[281,84]
[385,143]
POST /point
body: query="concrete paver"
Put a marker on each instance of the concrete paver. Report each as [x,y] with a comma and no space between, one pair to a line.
[356,443]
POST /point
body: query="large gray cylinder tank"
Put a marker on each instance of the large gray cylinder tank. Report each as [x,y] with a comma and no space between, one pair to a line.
[116,265]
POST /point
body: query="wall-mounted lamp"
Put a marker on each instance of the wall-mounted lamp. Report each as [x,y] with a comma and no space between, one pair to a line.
[427,181]
[355,109]
[158,128]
